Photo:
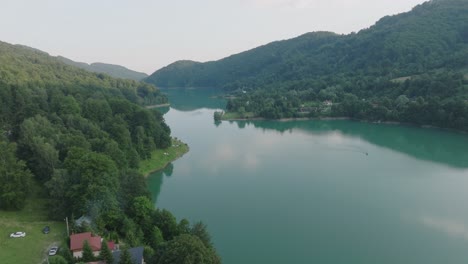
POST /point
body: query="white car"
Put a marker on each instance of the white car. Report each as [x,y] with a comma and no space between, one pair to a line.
[53,251]
[18,234]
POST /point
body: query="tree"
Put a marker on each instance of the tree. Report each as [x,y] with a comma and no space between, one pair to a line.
[184,226]
[142,209]
[95,177]
[66,254]
[15,179]
[37,146]
[132,232]
[187,249]
[241,111]
[57,260]
[199,230]
[166,221]
[106,254]
[88,255]
[125,257]
[133,184]
[156,238]
[218,115]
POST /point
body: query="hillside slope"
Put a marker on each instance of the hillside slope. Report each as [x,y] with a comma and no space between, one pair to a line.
[431,36]
[49,110]
[115,71]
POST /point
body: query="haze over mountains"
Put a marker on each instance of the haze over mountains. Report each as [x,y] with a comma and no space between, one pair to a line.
[434,35]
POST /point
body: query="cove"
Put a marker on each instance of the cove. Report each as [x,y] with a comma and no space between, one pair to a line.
[306,192]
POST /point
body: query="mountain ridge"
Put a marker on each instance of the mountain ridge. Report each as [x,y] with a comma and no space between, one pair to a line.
[431,35]
[114,70]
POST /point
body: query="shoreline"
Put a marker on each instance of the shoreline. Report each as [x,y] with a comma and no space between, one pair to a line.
[161,158]
[157,106]
[287,119]
[396,123]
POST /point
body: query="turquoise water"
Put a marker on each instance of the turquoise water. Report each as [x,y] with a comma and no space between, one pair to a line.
[317,191]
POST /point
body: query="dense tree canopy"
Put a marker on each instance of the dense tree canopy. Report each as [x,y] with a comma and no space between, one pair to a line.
[187,249]
[15,178]
[79,133]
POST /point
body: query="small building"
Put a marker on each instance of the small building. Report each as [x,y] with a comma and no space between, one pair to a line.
[136,254]
[83,220]
[77,242]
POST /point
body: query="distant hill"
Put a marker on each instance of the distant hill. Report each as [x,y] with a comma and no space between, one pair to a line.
[25,66]
[177,74]
[116,71]
[409,68]
[433,35]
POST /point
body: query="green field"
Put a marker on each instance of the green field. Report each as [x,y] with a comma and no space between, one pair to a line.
[236,115]
[33,248]
[161,157]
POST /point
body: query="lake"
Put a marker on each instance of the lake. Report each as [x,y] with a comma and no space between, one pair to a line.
[317,191]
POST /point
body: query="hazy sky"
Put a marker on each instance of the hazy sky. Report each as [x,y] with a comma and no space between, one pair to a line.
[146,35]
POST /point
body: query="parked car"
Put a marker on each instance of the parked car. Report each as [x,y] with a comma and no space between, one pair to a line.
[53,251]
[46,230]
[18,234]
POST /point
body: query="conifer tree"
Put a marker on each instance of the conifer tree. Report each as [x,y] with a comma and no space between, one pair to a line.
[106,254]
[125,257]
[87,252]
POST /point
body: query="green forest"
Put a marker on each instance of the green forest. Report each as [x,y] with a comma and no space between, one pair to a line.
[80,137]
[116,71]
[410,68]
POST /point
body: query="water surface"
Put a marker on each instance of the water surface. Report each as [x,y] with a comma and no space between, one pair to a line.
[318,191]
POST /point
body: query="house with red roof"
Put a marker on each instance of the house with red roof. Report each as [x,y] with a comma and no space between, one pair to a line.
[77,242]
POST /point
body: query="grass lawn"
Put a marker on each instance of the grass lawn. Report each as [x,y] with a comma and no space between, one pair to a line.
[236,115]
[33,248]
[161,157]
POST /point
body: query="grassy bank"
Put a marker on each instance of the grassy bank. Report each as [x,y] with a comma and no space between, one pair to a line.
[157,106]
[34,247]
[236,115]
[161,157]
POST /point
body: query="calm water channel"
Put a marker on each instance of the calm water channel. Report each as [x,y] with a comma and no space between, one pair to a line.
[307,192]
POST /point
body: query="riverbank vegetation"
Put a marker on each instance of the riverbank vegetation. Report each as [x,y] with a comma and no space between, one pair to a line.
[160,158]
[407,68]
[437,99]
[81,137]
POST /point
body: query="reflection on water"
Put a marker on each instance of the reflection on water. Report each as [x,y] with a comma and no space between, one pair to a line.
[426,144]
[189,99]
[440,146]
[157,180]
[451,227]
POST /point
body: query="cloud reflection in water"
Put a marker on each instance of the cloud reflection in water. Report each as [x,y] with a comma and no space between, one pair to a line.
[451,227]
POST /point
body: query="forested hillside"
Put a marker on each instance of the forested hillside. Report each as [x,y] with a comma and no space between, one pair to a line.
[115,71]
[433,35]
[80,136]
[410,67]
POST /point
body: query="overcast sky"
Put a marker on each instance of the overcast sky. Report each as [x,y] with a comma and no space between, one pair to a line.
[145,35]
